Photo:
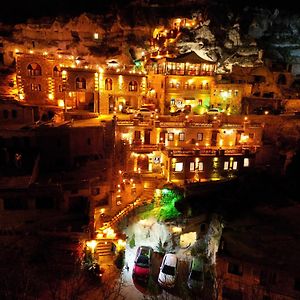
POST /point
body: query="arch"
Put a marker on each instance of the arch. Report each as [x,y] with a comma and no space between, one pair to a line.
[108,84]
[34,69]
[80,83]
[281,79]
[133,86]
[57,71]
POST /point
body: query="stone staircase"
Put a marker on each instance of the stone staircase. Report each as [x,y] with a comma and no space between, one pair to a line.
[104,247]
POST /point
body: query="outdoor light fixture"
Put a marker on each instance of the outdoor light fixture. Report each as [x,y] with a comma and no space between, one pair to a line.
[91,245]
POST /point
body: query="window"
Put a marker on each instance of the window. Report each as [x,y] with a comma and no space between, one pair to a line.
[235,165]
[297,284]
[95,191]
[56,71]
[5,114]
[246,162]
[96,35]
[179,167]
[36,87]
[199,136]
[34,69]
[236,92]
[251,135]
[200,166]
[133,86]
[235,268]
[267,278]
[80,83]
[108,84]
[14,113]
[226,165]
[181,136]
[60,88]
[192,166]
[170,136]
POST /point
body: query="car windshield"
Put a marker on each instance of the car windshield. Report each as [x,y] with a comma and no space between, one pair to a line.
[168,270]
[142,261]
[196,275]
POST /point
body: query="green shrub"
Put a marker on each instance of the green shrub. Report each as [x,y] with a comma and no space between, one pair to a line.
[132,241]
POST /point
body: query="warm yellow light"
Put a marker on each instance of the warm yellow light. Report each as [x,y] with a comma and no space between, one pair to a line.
[91,245]
[64,73]
[31,51]
[45,53]
[21,96]
[51,96]
[61,103]
[176,229]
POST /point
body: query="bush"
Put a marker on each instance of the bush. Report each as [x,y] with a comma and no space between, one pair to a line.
[132,241]
[119,261]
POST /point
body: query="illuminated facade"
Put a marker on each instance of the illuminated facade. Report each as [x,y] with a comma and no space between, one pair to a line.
[189,150]
[181,83]
[119,89]
[66,82]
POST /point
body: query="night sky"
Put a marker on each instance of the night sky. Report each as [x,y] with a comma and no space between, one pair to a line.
[20,11]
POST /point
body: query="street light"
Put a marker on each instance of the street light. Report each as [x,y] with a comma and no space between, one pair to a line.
[92,245]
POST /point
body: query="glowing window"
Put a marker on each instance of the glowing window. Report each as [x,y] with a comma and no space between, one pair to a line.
[200,166]
[181,136]
[80,83]
[199,136]
[179,167]
[171,136]
[56,71]
[133,86]
[108,84]
[96,35]
[235,165]
[34,69]
[192,166]
[226,165]
[246,162]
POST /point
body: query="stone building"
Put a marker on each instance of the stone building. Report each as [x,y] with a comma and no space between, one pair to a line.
[184,82]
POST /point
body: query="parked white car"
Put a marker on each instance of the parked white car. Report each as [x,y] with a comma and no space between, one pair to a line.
[168,270]
[145,112]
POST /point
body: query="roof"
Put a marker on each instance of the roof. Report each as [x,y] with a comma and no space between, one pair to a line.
[189,57]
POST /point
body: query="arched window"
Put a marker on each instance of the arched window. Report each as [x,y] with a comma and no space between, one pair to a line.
[56,71]
[80,83]
[34,69]
[133,86]
[108,84]
[281,79]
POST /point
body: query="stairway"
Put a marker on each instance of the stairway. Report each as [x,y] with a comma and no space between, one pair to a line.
[104,247]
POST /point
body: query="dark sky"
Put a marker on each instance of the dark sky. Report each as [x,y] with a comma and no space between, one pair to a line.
[12,11]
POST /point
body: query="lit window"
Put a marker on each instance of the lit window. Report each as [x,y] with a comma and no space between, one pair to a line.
[133,86]
[181,136]
[246,162]
[96,35]
[171,136]
[200,166]
[36,87]
[57,71]
[80,83]
[199,136]
[179,167]
[226,165]
[234,165]
[34,69]
[236,92]
[192,166]
[108,84]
